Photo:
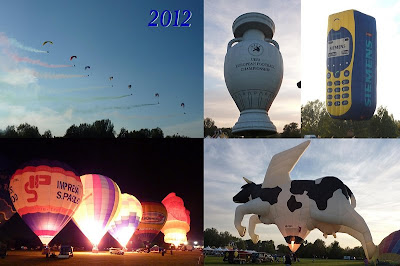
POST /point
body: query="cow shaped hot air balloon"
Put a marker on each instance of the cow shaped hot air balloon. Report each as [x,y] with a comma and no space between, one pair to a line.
[127,219]
[46,194]
[153,219]
[101,197]
[178,222]
[299,206]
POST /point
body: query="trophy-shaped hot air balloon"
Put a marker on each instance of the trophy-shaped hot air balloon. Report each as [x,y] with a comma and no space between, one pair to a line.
[101,197]
[153,219]
[46,194]
[178,222]
[127,220]
[253,72]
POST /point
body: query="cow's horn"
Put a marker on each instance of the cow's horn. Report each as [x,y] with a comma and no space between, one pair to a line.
[248,181]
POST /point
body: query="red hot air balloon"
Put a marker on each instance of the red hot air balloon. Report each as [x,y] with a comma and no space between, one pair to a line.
[45,195]
[178,223]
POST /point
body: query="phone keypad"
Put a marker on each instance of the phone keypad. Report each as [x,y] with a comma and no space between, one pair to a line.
[338,95]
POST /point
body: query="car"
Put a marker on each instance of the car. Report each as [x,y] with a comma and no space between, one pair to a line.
[66,251]
[117,251]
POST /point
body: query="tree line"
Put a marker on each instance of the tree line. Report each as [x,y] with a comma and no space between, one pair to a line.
[318,249]
[290,130]
[315,120]
[98,129]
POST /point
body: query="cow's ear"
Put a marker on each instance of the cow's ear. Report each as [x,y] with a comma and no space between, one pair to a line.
[248,181]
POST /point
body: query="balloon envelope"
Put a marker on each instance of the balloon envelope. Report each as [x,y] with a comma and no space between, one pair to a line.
[178,222]
[100,203]
[153,219]
[46,195]
[127,220]
[389,248]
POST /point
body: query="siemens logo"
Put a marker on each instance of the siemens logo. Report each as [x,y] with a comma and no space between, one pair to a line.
[368,73]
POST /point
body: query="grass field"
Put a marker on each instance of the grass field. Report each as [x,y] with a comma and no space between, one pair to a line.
[28,258]
[218,261]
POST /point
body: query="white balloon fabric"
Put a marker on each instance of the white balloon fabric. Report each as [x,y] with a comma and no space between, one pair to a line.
[127,220]
[299,206]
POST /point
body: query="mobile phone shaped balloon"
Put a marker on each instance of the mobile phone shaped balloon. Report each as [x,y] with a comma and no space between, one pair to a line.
[351,66]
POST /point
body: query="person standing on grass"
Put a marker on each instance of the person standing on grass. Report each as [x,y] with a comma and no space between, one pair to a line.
[288,261]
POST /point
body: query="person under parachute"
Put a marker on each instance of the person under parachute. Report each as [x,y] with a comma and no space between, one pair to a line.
[111,78]
[72,57]
[47,42]
[158,96]
[183,106]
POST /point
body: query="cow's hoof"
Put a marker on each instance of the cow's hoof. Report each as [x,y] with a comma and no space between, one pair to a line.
[242,231]
[255,238]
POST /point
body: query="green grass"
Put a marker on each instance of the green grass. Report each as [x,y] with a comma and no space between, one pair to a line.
[318,262]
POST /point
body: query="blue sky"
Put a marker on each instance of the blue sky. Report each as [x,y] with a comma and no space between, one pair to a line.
[114,39]
[369,167]
[218,18]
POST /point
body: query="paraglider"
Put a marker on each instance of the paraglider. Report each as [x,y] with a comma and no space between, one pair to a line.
[111,78]
[87,67]
[178,222]
[47,42]
[298,206]
[98,208]
[129,86]
[45,194]
[157,96]
[126,220]
[389,248]
[183,105]
[153,219]
[72,57]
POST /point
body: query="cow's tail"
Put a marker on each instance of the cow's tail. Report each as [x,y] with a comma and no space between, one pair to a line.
[351,195]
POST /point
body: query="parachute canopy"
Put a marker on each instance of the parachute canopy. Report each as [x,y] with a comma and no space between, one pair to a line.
[87,67]
[47,42]
[72,57]
[111,78]
[46,195]
[153,219]
[129,86]
[178,222]
[101,197]
[183,105]
[126,220]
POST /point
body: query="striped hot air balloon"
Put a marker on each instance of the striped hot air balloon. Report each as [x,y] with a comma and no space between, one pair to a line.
[100,204]
[178,223]
[45,194]
[389,248]
[153,219]
[127,220]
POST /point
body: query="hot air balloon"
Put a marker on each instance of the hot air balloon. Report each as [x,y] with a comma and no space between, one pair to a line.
[351,65]
[7,209]
[101,197]
[153,219]
[126,220]
[297,207]
[389,248]
[178,222]
[46,194]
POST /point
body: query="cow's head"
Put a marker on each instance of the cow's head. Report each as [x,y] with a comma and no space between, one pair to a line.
[245,194]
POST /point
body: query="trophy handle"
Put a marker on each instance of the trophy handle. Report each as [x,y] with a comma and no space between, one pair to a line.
[232,42]
[272,42]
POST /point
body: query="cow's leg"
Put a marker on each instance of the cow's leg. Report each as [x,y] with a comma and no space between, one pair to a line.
[256,206]
[254,220]
[351,223]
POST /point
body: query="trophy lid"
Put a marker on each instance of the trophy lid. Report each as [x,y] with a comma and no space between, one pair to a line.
[253,20]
